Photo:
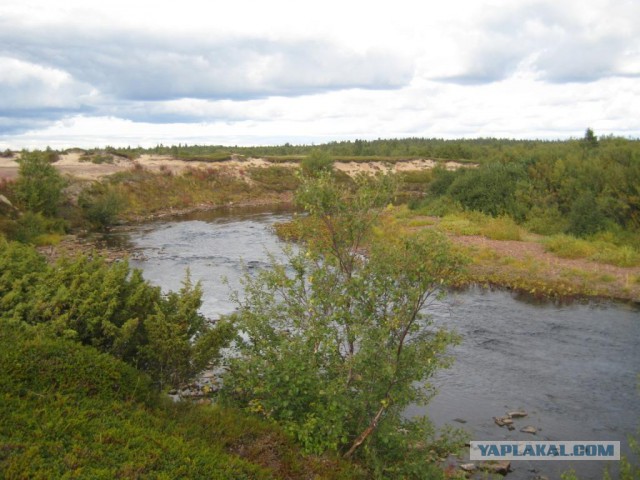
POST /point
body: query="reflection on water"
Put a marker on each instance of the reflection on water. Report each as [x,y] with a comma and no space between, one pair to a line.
[572,367]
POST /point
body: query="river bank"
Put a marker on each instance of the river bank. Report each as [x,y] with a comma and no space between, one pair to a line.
[521,266]
[157,188]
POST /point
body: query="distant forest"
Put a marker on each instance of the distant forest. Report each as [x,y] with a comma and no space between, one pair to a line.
[479,150]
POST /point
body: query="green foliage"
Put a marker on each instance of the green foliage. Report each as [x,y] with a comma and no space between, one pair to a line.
[490,189]
[68,411]
[180,344]
[442,181]
[277,179]
[582,187]
[459,224]
[113,309]
[39,185]
[585,216]
[101,205]
[35,363]
[479,150]
[502,228]
[33,228]
[316,162]
[336,345]
[546,221]
[476,223]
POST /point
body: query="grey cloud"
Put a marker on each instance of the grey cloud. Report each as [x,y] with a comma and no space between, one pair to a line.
[13,125]
[30,93]
[583,60]
[134,66]
[487,64]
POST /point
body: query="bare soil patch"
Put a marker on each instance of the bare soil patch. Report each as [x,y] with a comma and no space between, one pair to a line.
[528,261]
[70,163]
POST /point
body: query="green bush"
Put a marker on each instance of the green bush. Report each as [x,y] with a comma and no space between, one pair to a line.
[113,309]
[566,246]
[546,221]
[32,362]
[30,227]
[101,205]
[490,189]
[68,411]
[317,161]
[276,179]
[585,217]
[333,347]
[442,180]
[39,185]
[459,224]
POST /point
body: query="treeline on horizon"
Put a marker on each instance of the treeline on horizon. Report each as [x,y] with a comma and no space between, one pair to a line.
[478,150]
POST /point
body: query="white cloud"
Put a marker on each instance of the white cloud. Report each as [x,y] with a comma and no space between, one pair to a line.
[248,72]
[29,86]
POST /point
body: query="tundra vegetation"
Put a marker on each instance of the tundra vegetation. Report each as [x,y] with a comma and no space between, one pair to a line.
[332,347]
[334,343]
[87,348]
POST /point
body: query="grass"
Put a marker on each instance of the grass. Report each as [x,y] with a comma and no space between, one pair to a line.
[491,266]
[488,268]
[566,246]
[475,223]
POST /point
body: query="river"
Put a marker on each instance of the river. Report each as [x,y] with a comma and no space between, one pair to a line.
[574,368]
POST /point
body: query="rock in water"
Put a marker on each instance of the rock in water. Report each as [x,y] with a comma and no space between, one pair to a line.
[517,414]
[529,429]
[502,421]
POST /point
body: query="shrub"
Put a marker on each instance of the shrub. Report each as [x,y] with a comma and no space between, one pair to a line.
[316,162]
[39,364]
[276,179]
[459,224]
[113,309]
[546,221]
[101,205]
[442,180]
[33,228]
[490,189]
[622,256]
[585,217]
[334,347]
[39,185]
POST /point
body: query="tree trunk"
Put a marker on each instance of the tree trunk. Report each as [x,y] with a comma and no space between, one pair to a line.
[368,431]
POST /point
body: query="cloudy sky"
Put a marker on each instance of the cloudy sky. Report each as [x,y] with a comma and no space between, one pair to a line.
[87,73]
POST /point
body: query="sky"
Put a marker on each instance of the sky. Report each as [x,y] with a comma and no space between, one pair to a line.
[139,73]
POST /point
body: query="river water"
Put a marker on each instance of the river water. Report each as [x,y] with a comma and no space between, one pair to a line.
[574,368]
